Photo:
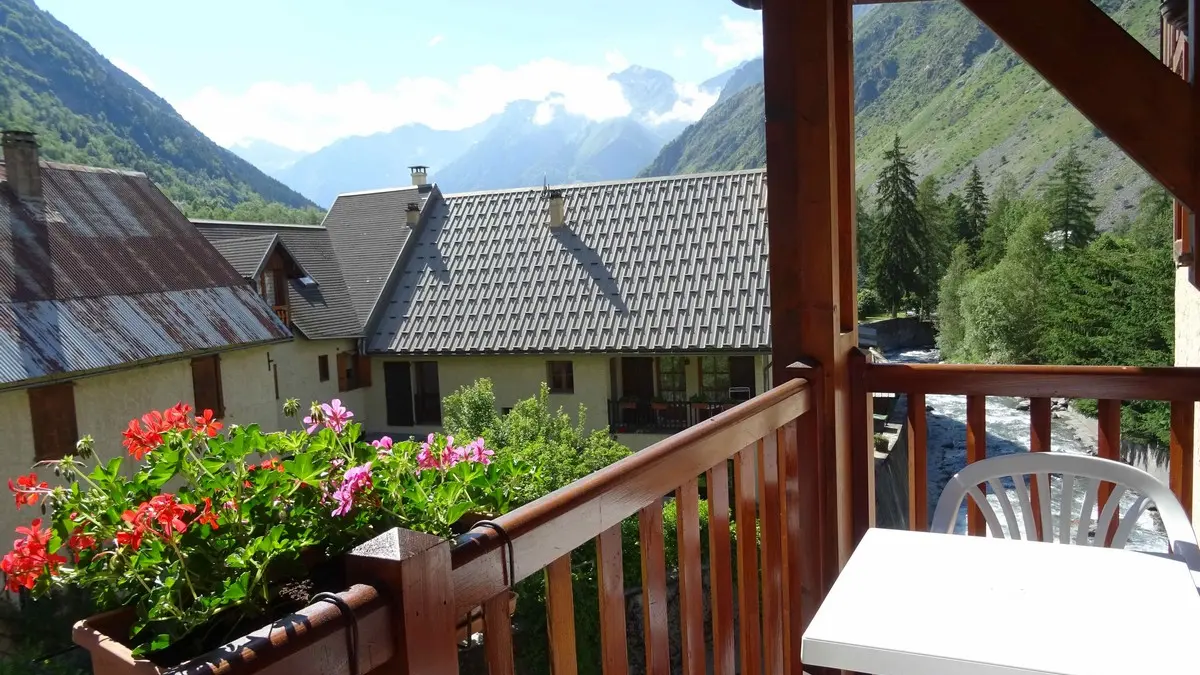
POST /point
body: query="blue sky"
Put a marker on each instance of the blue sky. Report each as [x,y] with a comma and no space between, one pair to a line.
[302,73]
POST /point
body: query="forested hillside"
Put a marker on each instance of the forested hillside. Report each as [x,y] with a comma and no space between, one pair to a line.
[932,73]
[85,110]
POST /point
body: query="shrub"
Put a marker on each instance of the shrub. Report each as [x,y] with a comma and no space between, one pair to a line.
[869,303]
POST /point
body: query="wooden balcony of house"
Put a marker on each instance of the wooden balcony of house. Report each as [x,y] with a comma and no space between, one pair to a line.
[281,311]
[747,471]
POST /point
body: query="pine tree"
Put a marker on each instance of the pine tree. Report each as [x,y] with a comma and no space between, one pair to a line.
[976,202]
[864,232]
[1069,201]
[938,226]
[900,261]
[1007,209]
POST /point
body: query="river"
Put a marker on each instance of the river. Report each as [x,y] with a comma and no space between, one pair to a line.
[1008,432]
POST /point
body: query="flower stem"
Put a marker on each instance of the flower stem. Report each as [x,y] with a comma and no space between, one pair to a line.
[183,566]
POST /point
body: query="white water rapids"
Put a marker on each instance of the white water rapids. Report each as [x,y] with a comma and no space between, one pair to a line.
[1008,432]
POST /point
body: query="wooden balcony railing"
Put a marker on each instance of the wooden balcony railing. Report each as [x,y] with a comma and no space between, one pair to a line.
[281,311]
[1109,385]
[646,417]
[754,437]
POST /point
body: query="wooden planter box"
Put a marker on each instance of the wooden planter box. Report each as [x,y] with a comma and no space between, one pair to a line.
[313,640]
[659,406]
[699,406]
[629,405]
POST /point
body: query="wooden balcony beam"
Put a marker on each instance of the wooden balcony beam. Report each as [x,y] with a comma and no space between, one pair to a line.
[1109,77]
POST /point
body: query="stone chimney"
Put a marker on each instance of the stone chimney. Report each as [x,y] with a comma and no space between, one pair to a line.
[557,216]
[412,214]
[420,174]
[21,165]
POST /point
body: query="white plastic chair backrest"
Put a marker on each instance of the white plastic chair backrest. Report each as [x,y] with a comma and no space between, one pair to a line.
[1016,467]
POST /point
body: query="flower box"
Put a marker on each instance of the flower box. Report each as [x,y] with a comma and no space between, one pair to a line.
[245,542]
[629,405]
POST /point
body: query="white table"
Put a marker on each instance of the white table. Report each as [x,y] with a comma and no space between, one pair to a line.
[915,603]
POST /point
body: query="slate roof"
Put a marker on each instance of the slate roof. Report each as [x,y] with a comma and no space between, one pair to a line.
[105,272]
[662,264]
[249,254]
[368,232]
[321,311]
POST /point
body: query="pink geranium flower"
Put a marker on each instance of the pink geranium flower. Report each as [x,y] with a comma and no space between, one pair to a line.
[383,446]
[336,415]
[356,480]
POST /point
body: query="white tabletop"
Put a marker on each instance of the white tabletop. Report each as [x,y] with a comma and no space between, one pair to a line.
[914,603]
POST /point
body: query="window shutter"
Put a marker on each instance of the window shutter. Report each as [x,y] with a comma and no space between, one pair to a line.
[362,370]
[52,414]
[343,363]
[206,385]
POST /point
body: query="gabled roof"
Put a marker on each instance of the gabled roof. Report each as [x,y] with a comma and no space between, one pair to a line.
[248,255]
[107,272]
[661,264]
[320,311]
[368,232]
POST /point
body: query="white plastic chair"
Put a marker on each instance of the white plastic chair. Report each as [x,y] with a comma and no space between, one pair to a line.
[1039,465]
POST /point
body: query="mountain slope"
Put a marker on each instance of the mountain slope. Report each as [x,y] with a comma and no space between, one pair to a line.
[86,110]
[266,155]
[933,74]
[377,161]
[730,136]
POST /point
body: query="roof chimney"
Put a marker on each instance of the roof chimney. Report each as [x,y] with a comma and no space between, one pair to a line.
[420,174]
[556,208]
[21,165]
[412,214]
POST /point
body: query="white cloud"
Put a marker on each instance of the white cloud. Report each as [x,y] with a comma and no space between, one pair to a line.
[436,40]
[738,41]
[616,60]
[693,102]
[134,72]
[305,117]
[679,52]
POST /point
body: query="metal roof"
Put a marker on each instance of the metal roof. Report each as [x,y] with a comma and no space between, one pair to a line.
[368,231]
[321,311]
[106,272]
[661,264]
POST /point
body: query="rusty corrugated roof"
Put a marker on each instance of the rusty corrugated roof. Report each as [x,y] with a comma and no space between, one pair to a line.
[108,272]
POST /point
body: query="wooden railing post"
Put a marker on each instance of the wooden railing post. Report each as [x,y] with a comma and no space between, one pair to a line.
[414,569]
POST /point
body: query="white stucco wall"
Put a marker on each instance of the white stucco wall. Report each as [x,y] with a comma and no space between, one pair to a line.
[1187,352]
[513,378]
[299,376]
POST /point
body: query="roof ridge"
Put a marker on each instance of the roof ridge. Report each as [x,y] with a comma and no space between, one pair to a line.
[83,168]
[203,222]
[603,183]
[356,193]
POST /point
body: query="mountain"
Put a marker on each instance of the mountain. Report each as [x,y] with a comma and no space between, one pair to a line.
[87,111]
[741,78]
[932,73]
[528,142]
[267,156]
[377,161]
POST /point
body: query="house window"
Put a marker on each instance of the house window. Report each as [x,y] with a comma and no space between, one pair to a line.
[52,412]
[714,377]
[672,378]
[398,393]
[206,385]
[561,377]
[354,371]
[427,397]
[323,367]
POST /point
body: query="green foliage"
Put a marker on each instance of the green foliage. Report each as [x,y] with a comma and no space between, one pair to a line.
[951,328]
[222,547]
[470,412]
[1069,199]
[87,111]
[975,203]
[899,262]
[253,210]
[1008,208]
[869,304]
[865,233]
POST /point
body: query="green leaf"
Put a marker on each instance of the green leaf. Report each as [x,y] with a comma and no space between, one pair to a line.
[301,468]
[237,589]
[457,511]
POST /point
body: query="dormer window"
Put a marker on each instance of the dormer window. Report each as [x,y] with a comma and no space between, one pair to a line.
[307,281]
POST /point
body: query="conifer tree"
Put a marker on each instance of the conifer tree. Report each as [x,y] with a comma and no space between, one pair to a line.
[865,231]
[900,268]
[976,203]
[1069,201]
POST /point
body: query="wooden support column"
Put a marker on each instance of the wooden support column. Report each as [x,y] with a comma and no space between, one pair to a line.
[805,180]
[413,568]
[1094,62]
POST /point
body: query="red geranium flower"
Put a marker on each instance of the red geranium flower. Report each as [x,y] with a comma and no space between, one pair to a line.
[176,416]
[168,513]
[80,542]
[132,538]
[27,490]
[29,559]
[207,517]
[141,440]
[206,425]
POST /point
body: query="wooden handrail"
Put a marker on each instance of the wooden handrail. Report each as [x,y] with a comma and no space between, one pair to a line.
[547,529]
[1128,383]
